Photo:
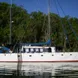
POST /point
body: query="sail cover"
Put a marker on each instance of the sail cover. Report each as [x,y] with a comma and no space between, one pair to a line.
[39,44]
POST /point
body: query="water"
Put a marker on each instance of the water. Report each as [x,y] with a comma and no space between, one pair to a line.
[39,70]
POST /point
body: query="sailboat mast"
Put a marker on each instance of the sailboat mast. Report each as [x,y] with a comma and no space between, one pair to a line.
[49,27]
[49,19]
[10,39]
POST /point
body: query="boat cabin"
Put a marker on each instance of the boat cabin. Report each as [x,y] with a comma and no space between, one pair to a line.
[37,49]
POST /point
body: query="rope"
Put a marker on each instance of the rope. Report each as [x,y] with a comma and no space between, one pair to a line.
[65,32]
[68,21]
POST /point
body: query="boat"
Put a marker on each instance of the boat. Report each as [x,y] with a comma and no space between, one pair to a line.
[33,53]
[38,52]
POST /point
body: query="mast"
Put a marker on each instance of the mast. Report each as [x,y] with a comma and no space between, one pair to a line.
[10,39]
[49,20]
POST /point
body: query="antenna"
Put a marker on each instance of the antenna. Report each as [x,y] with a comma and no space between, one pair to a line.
[10,39]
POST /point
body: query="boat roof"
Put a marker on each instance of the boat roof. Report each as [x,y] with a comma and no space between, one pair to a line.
[38,44]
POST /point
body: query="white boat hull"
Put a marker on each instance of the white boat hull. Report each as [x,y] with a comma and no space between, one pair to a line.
[50,57]
[39,57]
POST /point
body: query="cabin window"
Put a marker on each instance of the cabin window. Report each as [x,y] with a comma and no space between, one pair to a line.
[41,50]
[32,50]
[49,49]
[24,50]
[27,50]
[37,50]
[45,50]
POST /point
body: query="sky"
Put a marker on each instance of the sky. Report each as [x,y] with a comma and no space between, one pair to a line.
[70,7]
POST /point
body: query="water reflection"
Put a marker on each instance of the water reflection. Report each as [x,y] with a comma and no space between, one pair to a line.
[39,70]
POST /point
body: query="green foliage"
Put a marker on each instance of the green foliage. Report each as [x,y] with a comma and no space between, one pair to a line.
[33,27]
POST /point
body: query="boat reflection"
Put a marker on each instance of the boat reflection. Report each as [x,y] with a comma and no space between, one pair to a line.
[41,70]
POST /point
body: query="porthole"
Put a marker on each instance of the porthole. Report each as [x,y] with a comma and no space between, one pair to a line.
[30,55]
[61,54]
[41,55]
[18,55]
[52,55]
[70,54]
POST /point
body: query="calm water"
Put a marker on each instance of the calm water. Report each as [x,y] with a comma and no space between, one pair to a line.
[39,70]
